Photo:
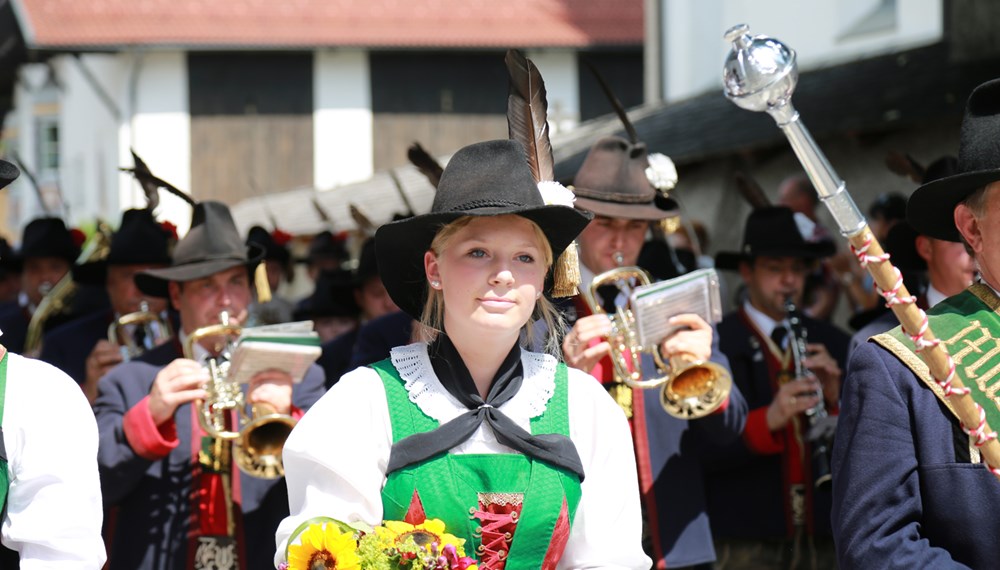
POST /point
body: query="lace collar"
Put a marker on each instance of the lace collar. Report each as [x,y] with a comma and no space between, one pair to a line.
[426,391]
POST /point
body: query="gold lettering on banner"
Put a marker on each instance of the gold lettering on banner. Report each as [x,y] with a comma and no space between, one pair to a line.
[979,348]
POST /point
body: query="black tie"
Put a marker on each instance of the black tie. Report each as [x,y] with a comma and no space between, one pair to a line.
[555,449]
[778,336]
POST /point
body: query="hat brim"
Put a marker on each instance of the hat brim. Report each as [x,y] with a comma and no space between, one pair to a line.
[400,246]
[639,211]
[730,260]
[93,273]
[155,282]
[931,208]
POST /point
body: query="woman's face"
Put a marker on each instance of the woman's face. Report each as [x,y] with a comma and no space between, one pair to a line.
[491,272]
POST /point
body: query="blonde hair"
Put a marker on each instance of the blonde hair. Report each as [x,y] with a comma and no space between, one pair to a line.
[432,317]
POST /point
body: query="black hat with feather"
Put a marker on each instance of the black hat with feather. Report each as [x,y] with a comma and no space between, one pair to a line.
[140,240]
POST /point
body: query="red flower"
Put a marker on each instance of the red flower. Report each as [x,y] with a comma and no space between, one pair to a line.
[169,229]
[281,237]
[77,236]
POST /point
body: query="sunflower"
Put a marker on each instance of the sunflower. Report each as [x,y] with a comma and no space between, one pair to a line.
[423,534]
[324,547]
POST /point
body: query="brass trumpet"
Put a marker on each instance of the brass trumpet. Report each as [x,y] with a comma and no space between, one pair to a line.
[692,388]
[258,443]
[157,330]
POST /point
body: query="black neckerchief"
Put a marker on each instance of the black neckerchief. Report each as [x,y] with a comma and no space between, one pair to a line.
[554,449]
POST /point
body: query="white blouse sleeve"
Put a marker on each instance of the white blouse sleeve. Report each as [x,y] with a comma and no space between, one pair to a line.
[54,507]
[607,530]
[336,457]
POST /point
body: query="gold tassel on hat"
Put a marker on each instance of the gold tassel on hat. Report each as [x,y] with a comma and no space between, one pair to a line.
[566,273]
[260,282]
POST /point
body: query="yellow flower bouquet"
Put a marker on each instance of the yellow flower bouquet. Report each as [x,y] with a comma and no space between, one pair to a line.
[324,543]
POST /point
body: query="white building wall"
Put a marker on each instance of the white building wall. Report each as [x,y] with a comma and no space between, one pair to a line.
[19,135]
[156,99]
[562,86]
[87,132]
[342,118]
[823,33]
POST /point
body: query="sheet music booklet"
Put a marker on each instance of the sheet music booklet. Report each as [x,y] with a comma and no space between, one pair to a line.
[290,347]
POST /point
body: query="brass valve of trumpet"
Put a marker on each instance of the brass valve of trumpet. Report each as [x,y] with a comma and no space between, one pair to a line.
[691,388]
[156,331]
[260,432]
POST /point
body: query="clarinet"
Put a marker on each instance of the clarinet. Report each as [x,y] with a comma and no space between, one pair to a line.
[818,432]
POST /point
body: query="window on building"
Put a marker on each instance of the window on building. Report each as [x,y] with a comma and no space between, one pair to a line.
[47,144]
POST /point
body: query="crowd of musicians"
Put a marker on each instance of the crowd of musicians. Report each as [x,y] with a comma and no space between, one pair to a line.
[828,451]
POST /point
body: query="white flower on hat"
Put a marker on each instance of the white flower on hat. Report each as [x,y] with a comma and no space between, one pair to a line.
[555,194]
[661,172]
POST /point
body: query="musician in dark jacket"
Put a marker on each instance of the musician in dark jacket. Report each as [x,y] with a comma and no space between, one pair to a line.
[81,348]
[372,300]
[613,184]
[910,487]
[48,250]
[178,508]
[762,503]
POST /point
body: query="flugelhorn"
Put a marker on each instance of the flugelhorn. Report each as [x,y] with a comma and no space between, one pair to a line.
[691,388]
[157,330]
[262,432]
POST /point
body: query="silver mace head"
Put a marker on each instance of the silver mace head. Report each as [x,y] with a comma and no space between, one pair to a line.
[760,72]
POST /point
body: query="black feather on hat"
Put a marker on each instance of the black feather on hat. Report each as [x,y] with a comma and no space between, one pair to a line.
[8,173]
[484,179]
[211,245]
[931,208]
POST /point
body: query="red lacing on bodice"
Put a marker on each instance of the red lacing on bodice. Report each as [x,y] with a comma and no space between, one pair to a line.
[497,530]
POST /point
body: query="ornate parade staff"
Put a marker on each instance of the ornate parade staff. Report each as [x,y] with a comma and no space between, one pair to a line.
[759,75]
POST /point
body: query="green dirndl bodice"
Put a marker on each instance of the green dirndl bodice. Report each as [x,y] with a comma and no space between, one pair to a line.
[510,509]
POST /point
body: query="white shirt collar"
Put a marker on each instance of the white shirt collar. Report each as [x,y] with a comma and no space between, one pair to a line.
[764,323]
[200,353]
[934,296]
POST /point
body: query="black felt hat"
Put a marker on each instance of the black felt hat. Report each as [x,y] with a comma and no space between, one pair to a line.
[8,173]
[612,182]
[484,179]
[48,237]
[211,245]
[775,231]
[266,240]
[332,297]
[932,206]
[10,261]
[325,245]
[139,240]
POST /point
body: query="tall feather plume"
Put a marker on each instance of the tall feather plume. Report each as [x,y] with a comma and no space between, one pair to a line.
[905,165]
[751,191]
[150,183]
[402,192]
[615,103]
[323,214]
[526,114]
[527,123]
[425,163]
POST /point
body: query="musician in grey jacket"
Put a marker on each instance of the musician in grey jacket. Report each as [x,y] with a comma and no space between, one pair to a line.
[176,508]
